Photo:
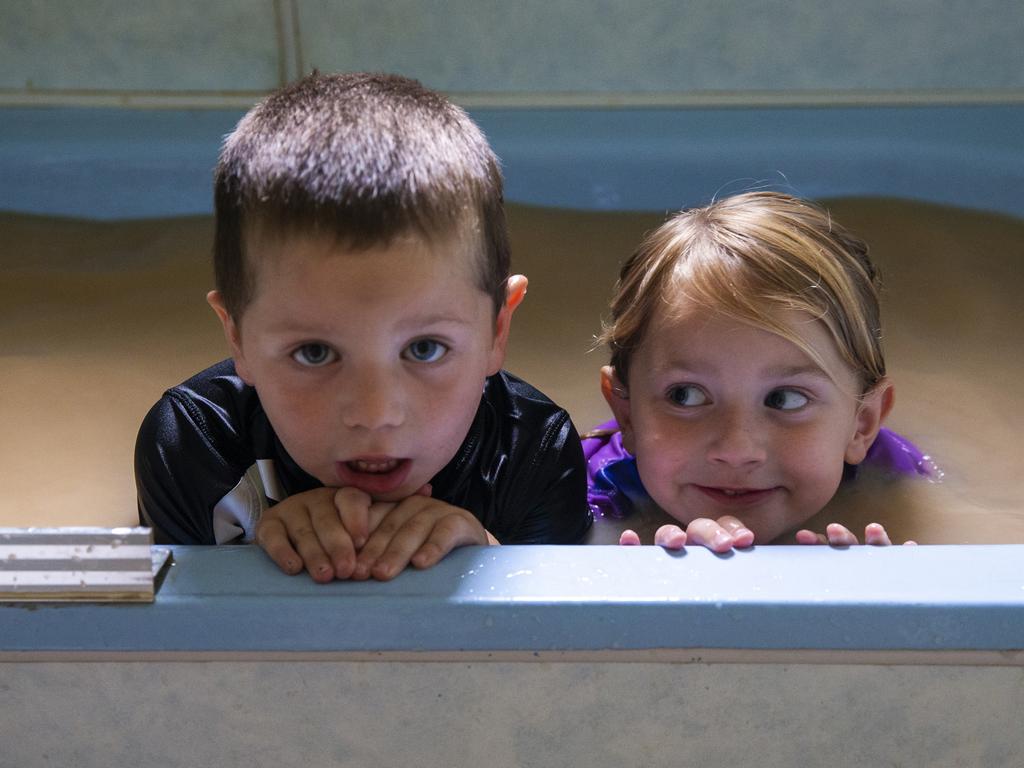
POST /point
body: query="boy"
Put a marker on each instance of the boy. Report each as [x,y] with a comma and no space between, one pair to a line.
[363,284]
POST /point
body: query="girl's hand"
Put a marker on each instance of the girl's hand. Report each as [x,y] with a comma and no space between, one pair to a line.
[837,535]
[719,535]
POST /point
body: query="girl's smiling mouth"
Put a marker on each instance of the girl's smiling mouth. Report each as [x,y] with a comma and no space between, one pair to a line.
[736,496]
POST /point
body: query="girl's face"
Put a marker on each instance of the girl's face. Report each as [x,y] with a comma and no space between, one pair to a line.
[728,419]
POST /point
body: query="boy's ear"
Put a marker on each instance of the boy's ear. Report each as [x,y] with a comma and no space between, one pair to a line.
[615,394]
[515,292]
[231,333]
[871,412]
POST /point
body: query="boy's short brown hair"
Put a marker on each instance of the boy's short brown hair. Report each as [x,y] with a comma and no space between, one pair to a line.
[361,157]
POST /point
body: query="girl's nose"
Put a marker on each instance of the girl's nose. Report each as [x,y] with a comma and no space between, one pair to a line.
[372,399]
[737,441]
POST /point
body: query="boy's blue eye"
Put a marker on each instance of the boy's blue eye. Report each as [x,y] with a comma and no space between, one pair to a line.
[425,351]
[688,395]
[785,400]
[313,354]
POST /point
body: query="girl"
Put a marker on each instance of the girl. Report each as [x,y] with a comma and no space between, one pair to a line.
[746,379]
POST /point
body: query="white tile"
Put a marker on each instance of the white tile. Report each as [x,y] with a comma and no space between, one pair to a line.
[188,45]
[663,45]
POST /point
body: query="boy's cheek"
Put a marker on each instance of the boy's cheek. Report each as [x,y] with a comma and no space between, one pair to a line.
[243,371]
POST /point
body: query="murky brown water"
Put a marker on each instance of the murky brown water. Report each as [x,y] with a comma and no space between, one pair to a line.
[97,319]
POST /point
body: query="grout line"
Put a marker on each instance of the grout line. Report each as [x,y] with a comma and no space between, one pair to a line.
[497,100]
[287,57]
[701,99]
[300,64]
[279,32]
[788,656]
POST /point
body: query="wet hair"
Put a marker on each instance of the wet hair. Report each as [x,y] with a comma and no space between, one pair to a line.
[748,257]
[363,158]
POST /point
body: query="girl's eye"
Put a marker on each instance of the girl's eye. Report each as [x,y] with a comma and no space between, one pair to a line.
[688,395]
[425,351]
[313,355]
[785,400]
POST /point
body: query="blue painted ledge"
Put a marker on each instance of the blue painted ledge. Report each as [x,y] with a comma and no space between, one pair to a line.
[123,163]
[546,598]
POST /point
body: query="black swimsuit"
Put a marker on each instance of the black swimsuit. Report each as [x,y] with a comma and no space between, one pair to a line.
[207,463]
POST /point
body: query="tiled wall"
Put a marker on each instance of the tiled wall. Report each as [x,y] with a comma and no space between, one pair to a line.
[511,51]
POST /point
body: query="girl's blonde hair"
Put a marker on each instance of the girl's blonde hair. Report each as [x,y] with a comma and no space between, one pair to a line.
[748,257]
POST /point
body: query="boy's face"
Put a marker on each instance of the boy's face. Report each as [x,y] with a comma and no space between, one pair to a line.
[369,364]
[728,419]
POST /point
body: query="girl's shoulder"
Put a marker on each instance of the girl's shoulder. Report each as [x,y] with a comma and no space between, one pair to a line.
[614,489]
[894,454]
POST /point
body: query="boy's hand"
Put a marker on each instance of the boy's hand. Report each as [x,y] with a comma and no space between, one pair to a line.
[717,535]
[308,530]
[417,530]
[838,535]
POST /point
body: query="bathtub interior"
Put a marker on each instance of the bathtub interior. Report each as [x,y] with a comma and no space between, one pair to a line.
[906,656]
[107,234]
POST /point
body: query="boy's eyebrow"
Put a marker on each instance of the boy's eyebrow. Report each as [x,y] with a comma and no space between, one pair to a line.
[438,317]
[293,325]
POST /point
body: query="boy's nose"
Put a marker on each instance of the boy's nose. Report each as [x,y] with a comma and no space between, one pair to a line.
[737,441]
[373,401]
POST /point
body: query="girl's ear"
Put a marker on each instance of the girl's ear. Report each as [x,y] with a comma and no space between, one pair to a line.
[615,394]
[231,332]
[515,292]
[872,411]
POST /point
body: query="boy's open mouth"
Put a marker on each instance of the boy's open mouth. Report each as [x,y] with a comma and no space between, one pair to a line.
[373,467]
[375,475]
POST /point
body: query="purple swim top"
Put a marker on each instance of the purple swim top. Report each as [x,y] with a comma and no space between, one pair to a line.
[614,487]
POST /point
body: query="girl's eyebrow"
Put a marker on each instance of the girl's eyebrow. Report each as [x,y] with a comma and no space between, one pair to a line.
[773,372]
[790,371]
[677,366]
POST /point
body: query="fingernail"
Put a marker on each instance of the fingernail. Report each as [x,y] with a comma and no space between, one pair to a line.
[722,540]
[420,560]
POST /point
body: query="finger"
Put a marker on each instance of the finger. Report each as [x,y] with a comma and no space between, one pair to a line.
[335,540]
[875,535]
[449,532]
[840,536]
[742,536]
[390,519]
[307,544]
[629,538]
[430,534]
[909,543]
[353,509]
[708,533]
[805,536]
[272,538]
[670,537]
